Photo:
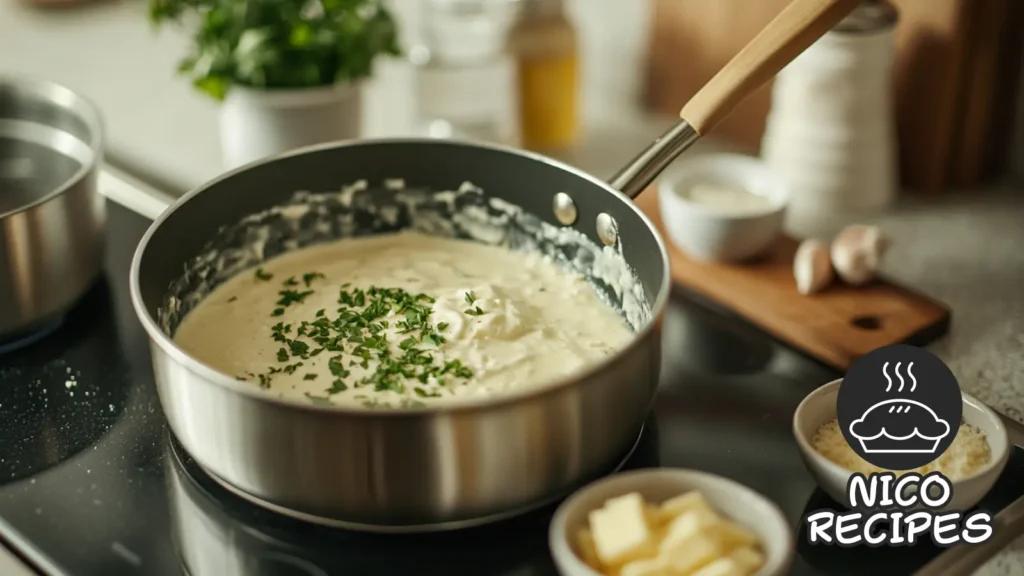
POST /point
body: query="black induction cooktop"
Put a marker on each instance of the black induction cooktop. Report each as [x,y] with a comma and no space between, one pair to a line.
[92,483]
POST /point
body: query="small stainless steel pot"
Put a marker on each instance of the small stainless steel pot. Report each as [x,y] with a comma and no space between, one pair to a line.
[51,215]
[449,466]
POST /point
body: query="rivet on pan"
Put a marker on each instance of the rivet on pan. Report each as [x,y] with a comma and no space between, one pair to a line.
[565,209]
[607,229]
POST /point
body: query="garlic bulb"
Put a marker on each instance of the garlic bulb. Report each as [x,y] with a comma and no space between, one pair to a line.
[812,267]
[857,252]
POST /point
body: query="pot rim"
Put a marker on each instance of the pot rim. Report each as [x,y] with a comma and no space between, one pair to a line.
[86,110]
[215,377]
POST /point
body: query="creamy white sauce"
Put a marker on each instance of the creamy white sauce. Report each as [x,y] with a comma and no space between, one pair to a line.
[529,322]
[728,199]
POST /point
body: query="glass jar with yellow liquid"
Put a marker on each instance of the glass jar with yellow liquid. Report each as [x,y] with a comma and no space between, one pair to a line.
[546,53]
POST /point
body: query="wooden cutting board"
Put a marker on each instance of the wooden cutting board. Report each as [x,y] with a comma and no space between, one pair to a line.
[836,326]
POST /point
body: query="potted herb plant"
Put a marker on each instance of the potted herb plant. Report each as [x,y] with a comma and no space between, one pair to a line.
[288,72]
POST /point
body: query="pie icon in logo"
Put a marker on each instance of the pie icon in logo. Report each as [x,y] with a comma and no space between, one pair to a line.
[899,407]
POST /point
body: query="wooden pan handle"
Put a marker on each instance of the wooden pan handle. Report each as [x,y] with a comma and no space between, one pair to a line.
[791,32]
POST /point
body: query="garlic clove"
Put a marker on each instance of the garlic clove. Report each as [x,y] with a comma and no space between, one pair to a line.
[812,267]
[857,252]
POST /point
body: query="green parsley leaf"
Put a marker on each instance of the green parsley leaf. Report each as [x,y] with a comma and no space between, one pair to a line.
[319,400]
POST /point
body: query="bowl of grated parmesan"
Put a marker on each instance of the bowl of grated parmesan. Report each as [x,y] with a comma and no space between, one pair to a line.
[973,462]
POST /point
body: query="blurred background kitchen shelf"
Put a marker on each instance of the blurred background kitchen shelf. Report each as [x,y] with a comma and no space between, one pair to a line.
[955,78]
[161,129]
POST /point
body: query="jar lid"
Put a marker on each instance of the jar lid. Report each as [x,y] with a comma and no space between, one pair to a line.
[870,16]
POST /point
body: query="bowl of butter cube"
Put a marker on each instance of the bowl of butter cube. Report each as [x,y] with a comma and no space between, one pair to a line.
[670,522]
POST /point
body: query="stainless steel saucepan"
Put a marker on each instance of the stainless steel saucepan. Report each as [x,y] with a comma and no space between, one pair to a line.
[438,467]
[51,215]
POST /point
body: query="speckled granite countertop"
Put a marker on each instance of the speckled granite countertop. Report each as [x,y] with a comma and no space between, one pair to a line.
[967,250]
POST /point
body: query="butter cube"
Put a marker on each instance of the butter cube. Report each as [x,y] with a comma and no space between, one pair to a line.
[749,558]
[586,549]
[721,567]
[687,526]
[653,514]
[691,554]
[734,535]
[647,567]
[673,507]
[620,530]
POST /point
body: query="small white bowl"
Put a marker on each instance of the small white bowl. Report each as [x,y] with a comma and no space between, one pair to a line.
[731,499]
[712,234]
[819,407]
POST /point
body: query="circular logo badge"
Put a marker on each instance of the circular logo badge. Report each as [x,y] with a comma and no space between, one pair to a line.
[899,407]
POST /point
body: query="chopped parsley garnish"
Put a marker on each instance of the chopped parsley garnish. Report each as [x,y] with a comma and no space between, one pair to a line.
[357,334]
[308,277]
[289,297]
[262,275]
[319,400]
[334,364]
[475,311]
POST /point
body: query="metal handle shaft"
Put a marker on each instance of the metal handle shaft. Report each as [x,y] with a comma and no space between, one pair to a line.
[642,170]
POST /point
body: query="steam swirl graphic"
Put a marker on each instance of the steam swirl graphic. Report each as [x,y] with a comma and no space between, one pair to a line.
[896,370]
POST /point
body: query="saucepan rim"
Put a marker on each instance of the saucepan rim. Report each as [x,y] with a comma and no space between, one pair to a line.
[86,110]
[215,377]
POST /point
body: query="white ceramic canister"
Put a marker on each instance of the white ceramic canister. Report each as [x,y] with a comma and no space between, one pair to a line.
[255,124]
[831,132]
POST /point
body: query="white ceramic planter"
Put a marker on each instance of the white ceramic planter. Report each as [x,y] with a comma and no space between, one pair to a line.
[255,124]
